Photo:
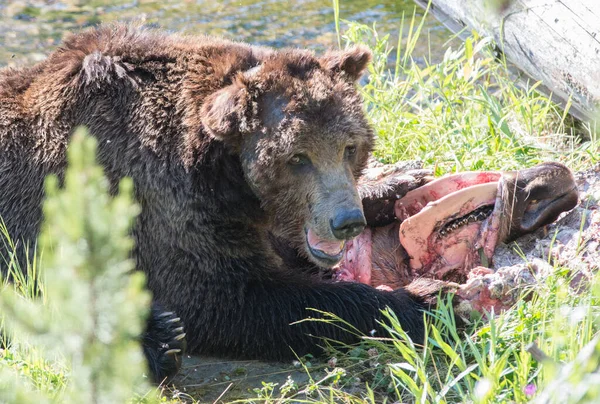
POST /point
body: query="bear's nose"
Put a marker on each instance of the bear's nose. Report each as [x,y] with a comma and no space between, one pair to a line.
[348,224]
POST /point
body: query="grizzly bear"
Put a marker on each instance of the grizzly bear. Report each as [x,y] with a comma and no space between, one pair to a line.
[234,150]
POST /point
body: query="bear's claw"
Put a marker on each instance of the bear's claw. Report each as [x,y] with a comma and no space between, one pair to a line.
[164,344]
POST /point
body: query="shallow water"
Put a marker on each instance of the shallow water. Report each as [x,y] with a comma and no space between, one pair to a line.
[30,29]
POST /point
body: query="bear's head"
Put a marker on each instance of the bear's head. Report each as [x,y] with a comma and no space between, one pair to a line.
[298,125]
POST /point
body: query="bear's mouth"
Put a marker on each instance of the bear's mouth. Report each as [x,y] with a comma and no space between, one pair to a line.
[326,251]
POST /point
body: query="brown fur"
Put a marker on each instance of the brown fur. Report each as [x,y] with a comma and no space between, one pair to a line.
[535,197]
[390,261]
[207,129]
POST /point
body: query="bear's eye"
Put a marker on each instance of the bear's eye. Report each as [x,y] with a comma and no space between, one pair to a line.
[350,150]
[299,160]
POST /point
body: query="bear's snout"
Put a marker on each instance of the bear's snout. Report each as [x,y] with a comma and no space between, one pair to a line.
[348,223]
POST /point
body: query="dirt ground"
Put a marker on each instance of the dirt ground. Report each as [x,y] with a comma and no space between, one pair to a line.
[573,241]
[210,379]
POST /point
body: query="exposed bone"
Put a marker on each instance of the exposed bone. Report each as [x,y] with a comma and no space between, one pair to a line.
[452,226]
[478,215]
[415,200]
[418,232]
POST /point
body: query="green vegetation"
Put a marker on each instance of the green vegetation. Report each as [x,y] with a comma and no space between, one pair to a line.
[467,113]
[463,113]
[88,318]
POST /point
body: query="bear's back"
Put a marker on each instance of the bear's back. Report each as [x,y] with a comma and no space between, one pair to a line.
[138,91]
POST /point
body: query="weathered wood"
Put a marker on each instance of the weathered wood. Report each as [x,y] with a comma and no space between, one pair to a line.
[556,42]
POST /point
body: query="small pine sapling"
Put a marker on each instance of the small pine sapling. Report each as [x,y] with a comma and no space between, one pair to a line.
[95,303]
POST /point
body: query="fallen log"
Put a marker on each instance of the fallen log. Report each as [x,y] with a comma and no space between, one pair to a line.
[556,42]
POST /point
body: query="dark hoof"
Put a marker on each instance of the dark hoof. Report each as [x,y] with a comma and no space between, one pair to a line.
[164,344]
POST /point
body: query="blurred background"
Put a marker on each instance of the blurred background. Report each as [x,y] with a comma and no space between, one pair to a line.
[30,29]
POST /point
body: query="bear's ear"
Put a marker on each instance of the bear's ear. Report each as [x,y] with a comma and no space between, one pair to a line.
[352,62]
[223,111]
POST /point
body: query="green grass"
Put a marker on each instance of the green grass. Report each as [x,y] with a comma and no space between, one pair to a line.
[463,113]
[468,113]
[23,357]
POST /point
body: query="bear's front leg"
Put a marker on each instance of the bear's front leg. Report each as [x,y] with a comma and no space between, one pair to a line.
[164,343]
[282,317]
